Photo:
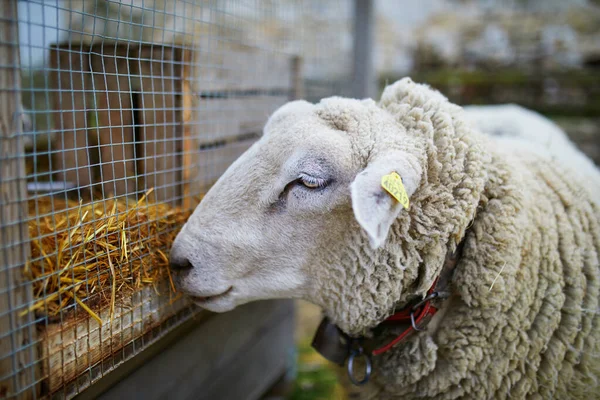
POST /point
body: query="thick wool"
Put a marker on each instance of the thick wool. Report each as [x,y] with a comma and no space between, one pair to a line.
[523,320]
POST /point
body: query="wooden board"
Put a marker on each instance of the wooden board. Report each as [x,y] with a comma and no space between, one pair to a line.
[158,79]
[111,75]
[70,83]
[271,348]
[18,342]
[236,355]
[79,343]
[188,145]
[240,69]
[218,120]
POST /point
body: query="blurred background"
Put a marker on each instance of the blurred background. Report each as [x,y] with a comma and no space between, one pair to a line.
[542,54]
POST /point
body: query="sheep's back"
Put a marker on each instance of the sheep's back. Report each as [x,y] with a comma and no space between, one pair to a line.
[518,128]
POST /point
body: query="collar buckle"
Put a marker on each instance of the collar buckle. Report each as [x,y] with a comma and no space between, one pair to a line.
[429,309]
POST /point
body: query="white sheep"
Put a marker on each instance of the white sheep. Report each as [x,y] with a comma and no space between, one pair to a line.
[514,234]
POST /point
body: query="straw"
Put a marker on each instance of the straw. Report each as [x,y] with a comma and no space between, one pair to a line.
[95,254]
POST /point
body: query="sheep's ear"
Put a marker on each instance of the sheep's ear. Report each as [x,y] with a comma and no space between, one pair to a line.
[374,208]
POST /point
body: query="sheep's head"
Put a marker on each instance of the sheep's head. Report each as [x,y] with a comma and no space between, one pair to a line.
[302,214]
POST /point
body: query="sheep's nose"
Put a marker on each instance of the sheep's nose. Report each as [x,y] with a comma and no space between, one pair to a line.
[181,264]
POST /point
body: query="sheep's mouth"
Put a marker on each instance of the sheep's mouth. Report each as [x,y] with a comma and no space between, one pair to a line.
[205,299]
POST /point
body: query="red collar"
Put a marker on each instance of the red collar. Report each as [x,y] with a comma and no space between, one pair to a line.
[336,346]
[420,313]
[414,314]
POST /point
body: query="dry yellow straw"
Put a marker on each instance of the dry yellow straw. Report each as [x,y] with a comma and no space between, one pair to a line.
[92,254]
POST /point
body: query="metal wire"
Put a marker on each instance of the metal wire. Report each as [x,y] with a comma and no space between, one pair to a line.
[119,97]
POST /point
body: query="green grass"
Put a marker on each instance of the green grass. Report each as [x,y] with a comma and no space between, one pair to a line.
[316,378]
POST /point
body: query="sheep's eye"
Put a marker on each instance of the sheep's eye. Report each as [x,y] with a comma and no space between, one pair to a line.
[310,182]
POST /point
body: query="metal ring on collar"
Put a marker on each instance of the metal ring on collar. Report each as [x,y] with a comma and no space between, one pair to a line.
[427,298]
[368,367]
[413,322]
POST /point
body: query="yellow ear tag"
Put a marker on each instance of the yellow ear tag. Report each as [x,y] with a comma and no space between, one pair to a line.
[392,183]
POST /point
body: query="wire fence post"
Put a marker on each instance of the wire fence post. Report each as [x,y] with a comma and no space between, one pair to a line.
[17,344]
[363,82]
[297,83]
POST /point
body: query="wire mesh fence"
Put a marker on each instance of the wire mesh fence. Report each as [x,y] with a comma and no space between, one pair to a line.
[117,117]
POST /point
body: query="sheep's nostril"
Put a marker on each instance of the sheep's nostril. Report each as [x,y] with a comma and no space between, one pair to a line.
[181,265]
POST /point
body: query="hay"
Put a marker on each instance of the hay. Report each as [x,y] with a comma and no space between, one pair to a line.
[93,254]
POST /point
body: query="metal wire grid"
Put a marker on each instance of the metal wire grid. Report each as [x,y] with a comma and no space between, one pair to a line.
[108,120]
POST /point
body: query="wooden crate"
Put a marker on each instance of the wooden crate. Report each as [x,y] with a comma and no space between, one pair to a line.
[155,108]
[164,120]
[122,102]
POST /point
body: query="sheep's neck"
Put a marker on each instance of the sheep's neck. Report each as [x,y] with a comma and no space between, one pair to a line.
[417,316]
[336,346]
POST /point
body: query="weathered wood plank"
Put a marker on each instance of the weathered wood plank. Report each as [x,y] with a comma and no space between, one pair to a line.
[238,69]
[158,71]
[188,116]
[111,75]
[222,119]
[18,346]
[70,81]
[253,370]
[223,103]
[71,347]
[219,359]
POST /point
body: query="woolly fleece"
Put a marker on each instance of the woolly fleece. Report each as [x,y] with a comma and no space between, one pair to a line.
[523,322]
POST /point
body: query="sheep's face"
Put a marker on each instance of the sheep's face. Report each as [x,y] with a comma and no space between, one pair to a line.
[283,213]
